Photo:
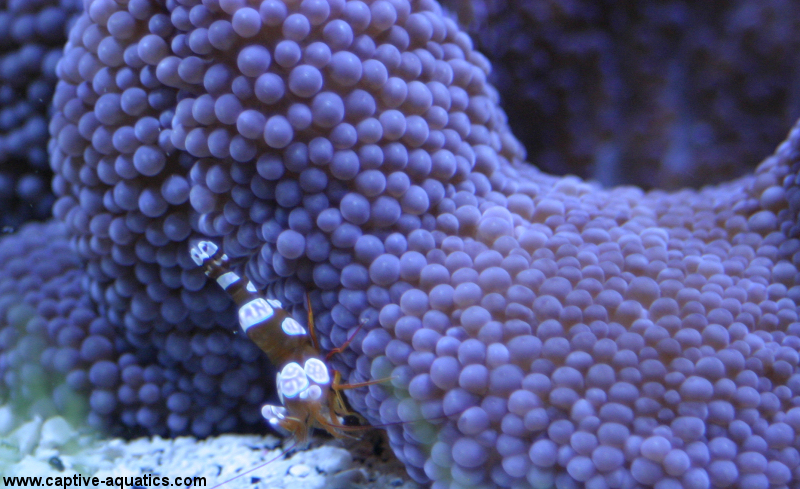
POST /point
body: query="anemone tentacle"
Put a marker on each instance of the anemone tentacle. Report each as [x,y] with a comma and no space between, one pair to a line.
[32,36]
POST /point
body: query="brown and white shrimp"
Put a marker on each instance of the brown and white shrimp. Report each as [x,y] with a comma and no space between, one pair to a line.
[311,396]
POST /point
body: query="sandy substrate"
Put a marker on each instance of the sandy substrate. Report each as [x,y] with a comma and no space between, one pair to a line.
[53,448]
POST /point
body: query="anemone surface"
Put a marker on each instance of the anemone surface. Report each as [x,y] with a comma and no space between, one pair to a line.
[536,330]
[32,35]
[659,94]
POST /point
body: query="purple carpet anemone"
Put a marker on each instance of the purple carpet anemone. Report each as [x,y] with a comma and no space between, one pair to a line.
[538,330]
[663,94]
[32,36]
[47,324]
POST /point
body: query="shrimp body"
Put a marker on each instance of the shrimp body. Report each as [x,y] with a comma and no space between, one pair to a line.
[305,386]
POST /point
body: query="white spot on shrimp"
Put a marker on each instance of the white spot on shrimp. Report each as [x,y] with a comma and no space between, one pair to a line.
[254,312]
[317,371]
[292,327]
[226,279]
[292,380]
[203,251]
[273,413]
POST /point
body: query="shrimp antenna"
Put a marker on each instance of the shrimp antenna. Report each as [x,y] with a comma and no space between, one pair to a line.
[383,425]
[340,427]
[347,342]
[284,452]
[312,330]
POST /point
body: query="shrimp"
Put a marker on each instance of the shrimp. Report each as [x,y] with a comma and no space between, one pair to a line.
[310,395]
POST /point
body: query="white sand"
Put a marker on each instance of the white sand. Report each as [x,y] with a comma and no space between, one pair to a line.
[53,448]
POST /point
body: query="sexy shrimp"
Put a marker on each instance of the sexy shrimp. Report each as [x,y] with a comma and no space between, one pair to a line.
[311,396]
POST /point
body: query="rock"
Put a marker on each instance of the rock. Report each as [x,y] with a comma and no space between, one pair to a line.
[334,460]
[7,420]
[56,432]
[26,437]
